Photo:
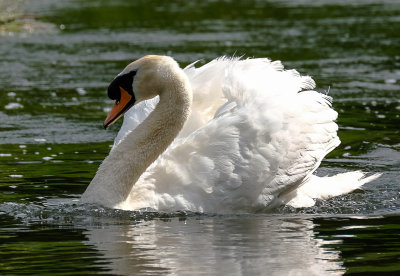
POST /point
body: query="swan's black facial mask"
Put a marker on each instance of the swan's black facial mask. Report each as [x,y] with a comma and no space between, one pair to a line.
[120,90]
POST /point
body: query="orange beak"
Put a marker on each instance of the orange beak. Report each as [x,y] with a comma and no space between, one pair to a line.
[119,108]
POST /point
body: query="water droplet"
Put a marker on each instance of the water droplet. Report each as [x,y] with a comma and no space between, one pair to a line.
[13,106]
[81,91]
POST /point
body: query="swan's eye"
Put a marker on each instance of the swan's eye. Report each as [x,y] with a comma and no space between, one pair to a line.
[117,102]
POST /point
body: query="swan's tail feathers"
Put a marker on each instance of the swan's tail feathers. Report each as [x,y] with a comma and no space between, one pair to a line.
[327,187]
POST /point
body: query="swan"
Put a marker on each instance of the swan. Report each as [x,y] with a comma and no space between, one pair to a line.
[234,135]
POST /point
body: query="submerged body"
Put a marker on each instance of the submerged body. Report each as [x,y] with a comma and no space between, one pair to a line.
[231,136]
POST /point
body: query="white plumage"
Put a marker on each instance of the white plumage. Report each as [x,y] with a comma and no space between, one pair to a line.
[255,135]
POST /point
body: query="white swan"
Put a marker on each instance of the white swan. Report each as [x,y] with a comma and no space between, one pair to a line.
[250,139]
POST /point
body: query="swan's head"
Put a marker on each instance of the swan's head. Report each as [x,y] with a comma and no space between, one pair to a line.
[143,79]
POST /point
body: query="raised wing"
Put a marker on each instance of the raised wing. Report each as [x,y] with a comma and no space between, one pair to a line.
[263,142]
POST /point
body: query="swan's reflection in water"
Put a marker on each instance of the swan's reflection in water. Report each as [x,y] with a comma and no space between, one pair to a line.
[255,245]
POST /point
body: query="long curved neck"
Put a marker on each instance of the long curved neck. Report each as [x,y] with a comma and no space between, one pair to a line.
[126,162]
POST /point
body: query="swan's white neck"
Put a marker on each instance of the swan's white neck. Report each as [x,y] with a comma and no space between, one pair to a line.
[126,162]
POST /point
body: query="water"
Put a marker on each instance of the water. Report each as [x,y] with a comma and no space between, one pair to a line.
[57,58]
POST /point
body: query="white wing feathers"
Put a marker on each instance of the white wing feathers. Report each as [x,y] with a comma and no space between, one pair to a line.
[252,138]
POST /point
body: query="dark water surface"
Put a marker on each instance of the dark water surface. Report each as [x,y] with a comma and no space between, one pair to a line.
[56,60]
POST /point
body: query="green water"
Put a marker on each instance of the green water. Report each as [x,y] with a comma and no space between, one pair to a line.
[58,57]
